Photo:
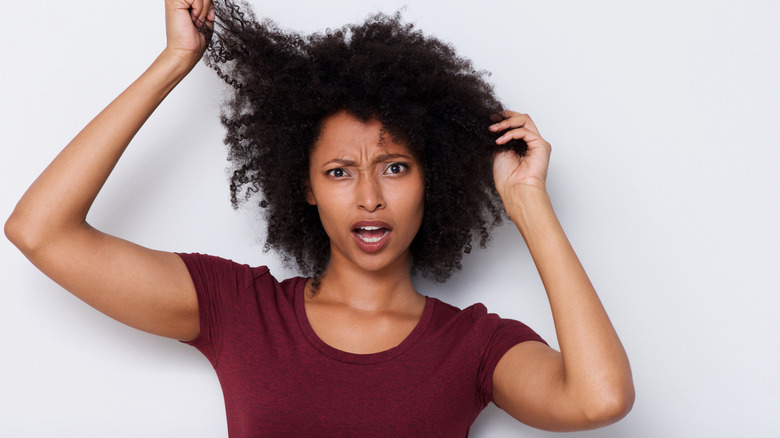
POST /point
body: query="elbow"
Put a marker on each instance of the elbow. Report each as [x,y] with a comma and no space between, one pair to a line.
[611,405]
[14,231]
[19,231]
[34,236]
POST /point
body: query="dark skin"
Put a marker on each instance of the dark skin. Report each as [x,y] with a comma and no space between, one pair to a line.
[366,302]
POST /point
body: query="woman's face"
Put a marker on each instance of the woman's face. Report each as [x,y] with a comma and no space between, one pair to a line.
[369,192]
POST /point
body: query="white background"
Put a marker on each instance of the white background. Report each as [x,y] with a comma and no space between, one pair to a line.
[665,123]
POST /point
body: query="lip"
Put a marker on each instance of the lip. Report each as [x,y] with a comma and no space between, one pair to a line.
[371,246]
[379,224]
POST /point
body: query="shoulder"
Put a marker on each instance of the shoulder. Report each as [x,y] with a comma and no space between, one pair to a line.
[213,272]
[204,264]
[474,313]
[482,324]
[447,315]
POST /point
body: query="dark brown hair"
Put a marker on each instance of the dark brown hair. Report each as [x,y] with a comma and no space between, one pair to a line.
[284,84]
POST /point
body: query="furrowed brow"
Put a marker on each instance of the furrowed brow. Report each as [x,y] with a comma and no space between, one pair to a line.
[341,162]
[379,159]
[390,157]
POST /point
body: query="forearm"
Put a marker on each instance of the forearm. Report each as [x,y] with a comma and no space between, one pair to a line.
[595,366]
[62,195]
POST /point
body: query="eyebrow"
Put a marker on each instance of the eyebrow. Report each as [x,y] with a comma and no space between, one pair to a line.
[379,159]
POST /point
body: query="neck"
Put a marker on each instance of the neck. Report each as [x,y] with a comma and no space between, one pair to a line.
[388,289]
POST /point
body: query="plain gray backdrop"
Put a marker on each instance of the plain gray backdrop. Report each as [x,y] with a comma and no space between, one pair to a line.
[664,118]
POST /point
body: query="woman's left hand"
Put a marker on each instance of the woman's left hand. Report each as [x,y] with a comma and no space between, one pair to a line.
[512,172]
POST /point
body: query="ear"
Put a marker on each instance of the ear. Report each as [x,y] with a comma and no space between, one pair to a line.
[309,194]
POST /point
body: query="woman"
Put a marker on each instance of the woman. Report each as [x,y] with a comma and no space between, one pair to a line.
[370,146]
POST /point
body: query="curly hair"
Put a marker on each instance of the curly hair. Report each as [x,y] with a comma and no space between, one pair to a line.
[283,85]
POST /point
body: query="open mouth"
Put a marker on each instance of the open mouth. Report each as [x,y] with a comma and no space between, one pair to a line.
[371,234]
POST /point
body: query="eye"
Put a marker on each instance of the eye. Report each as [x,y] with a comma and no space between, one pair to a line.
[338,172]
[396,168]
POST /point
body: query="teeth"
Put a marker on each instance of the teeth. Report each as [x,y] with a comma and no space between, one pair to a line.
[369,228]
[372,239]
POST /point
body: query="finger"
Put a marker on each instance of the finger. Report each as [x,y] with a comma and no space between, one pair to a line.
[507,114]
[511,122]
[206,9]
[512,119]
[199,11]
[502,115]
[515,120]
[210,17]
[524,134]
[195,8]
[202,14]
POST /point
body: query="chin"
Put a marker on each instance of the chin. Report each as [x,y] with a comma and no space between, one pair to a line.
[382,265]
[381,261]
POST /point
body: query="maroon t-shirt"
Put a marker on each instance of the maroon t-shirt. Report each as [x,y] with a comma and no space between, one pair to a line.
[279,379]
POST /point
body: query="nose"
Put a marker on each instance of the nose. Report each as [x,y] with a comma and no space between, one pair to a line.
[369,194]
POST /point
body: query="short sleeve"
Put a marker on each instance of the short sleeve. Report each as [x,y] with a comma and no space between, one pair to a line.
[218,283]
[494,337]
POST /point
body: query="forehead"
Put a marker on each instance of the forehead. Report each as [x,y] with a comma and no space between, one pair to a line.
[345,135]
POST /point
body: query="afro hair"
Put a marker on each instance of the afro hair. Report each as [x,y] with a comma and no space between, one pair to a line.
[283,85]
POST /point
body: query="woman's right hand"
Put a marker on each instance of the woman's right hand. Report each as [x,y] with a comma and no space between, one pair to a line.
[182,19]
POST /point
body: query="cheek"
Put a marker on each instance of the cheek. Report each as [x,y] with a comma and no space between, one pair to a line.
[329,220]
[414,201]
[332,206]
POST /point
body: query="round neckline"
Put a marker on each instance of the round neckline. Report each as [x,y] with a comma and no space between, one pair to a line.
[356,358]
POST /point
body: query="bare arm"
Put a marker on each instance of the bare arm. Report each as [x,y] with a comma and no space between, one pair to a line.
[146,289]
[588,384]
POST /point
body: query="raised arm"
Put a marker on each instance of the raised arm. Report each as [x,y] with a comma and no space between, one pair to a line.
[146,289]
[588,384]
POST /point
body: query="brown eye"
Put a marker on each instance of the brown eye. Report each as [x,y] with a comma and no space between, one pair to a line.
[337,172]
[396,168]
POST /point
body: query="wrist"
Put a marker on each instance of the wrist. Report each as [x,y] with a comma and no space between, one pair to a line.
[522,197]
[177,61]
[528,207]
